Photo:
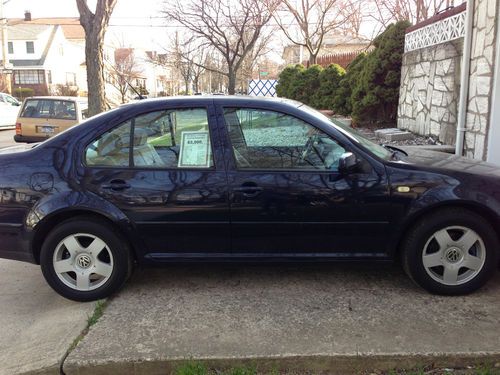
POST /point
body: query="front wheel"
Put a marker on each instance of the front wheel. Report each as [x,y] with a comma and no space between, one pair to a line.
[85,259]
[451,251]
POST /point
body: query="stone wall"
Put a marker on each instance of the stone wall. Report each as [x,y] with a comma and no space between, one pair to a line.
[482,66]
[430,81]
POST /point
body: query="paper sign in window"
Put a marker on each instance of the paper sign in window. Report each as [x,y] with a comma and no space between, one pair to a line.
[195,150]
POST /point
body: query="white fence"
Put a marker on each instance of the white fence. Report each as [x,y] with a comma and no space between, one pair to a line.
[262,87]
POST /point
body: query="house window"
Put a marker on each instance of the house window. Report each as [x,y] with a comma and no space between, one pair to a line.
[29,77]
[10,47]
[30,47]
[49,77]
[71,79]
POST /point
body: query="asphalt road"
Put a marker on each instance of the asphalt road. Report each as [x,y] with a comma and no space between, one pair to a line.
[7,138]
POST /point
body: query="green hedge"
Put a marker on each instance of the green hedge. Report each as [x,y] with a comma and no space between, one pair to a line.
[369,89]
[23,92]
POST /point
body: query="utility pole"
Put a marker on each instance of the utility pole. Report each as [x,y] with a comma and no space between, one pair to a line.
[5,72]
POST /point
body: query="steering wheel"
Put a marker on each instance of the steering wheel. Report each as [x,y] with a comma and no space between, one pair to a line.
[308,147]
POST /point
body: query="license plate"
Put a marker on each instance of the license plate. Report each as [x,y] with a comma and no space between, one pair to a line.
[45,129]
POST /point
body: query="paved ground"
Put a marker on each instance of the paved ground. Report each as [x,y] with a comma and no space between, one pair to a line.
[6,137]
[37,325]
[313,316]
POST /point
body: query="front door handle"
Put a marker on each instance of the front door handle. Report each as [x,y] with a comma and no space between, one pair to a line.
[249,189]
[116,185]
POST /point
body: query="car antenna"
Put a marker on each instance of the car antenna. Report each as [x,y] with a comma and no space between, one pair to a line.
[137,92]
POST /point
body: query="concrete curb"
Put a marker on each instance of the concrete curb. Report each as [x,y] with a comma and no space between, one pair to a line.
[317,364]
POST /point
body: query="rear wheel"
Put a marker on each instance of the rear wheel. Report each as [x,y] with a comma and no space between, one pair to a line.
[84,259]
[451,251]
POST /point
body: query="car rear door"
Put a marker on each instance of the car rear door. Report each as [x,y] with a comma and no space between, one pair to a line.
[164,171]
[285,202]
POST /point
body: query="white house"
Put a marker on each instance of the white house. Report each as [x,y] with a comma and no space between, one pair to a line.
[43,54]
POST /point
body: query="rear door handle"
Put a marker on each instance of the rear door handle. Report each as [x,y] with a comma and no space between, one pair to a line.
[116,185]
[249,189]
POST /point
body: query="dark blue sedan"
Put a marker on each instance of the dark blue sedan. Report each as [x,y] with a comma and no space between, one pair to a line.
[240,179]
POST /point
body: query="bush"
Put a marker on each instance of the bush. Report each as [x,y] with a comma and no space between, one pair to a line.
[376,94]
[23,92]
[66,90]
[342,100]
[329,80]
[289,82]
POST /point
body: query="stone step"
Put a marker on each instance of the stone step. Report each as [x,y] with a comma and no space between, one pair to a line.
[393,134]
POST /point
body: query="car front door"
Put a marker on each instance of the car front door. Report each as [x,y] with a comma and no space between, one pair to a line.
[287,195]
[163,171]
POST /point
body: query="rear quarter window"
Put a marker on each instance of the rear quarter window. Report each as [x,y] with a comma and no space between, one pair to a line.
[48,108]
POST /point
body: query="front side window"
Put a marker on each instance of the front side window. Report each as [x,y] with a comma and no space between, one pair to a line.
[161,139]
[263,139]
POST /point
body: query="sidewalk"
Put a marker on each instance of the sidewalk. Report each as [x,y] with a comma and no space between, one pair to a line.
[37,325]
[338,318]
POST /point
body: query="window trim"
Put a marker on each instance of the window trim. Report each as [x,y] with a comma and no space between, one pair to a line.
[132,167]
[278,170]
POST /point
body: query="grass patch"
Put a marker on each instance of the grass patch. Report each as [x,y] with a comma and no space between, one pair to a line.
[98,311]
[197,368]
[91,320]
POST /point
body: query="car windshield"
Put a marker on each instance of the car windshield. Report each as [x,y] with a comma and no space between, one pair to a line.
[49,108]
[353,134]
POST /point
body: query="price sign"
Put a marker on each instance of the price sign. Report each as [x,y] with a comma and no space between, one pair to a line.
[195,150]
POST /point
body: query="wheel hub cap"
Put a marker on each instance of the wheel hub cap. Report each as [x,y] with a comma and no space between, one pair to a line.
[453,255]
[84,261]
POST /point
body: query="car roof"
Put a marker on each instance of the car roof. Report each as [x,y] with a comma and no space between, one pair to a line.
[71,98]
[216,99]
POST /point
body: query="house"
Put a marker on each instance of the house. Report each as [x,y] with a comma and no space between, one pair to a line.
[450,79]
[334,43]
[44,54]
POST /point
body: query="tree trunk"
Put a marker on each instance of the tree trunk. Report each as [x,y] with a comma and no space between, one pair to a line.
[186,83]
[312,58]
[231,85]
[95,73]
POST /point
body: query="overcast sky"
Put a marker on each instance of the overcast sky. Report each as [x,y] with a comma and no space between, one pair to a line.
[135,23]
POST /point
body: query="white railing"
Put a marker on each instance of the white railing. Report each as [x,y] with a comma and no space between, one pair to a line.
[436,33]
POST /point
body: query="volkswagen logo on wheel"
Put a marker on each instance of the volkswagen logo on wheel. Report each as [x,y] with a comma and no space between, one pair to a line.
[84,261]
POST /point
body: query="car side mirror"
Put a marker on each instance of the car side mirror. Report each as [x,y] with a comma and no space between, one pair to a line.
[348,162]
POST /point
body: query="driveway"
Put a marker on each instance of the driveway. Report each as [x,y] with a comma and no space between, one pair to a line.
[37,325]
[339,318]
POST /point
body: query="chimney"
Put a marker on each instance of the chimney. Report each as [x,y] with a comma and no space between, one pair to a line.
[27,15]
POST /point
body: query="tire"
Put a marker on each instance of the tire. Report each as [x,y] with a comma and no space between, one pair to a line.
[85,259]
[452,251]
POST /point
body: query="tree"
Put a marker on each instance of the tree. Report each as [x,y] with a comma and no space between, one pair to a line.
[376,95]
[95,25]
[231,28]
[414,11]
[124,71]
[315,19]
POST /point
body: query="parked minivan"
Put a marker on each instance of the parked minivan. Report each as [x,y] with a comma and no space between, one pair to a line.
[41,117]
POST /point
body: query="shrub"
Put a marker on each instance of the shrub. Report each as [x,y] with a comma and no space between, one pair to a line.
[23,92]
[307,92]
[342,100]
[375,96]
[290,81]
[66,90]
[329,80]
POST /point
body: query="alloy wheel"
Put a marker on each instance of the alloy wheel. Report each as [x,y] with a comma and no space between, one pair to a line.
[83,261]
[454,255]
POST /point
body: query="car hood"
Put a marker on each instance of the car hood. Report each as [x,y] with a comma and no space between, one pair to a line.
[442,160]
[19,148]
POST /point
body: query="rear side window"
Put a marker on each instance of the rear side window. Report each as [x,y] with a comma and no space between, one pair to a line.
[161,139]
[48,108]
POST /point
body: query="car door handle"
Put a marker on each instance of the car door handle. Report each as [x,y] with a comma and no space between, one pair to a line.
[116,185]
[249,189]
